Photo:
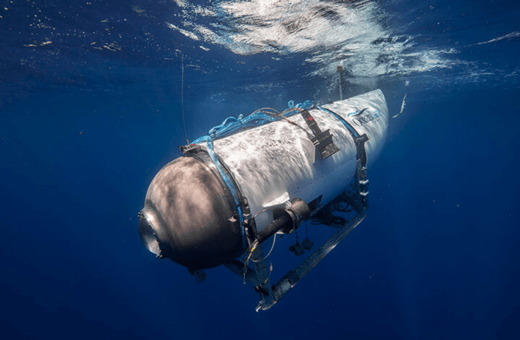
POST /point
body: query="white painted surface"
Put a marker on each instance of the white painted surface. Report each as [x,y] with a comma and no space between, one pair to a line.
[274,158]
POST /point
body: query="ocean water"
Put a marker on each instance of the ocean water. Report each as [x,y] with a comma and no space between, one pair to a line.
[91,99]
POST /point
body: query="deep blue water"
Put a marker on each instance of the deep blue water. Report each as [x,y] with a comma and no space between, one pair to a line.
[91,109]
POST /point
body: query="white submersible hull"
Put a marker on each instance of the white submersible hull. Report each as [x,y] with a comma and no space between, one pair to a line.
[228,193]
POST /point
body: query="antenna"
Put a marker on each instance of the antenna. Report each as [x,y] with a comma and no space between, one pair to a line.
[340,71]
[182,99]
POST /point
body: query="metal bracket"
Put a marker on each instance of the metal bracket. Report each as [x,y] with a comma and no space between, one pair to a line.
[322,140]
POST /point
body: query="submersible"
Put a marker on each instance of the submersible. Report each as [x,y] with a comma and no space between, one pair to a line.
[256,176]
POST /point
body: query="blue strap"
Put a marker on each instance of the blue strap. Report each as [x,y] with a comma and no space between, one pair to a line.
[223,174]
[232,125]
[305,105]
[345,123]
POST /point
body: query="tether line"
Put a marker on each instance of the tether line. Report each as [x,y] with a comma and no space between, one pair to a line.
[182,100]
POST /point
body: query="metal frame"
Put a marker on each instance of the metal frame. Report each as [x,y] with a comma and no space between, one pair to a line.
[259,276]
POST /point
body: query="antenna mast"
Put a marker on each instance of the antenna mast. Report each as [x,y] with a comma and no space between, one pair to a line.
[182,99]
